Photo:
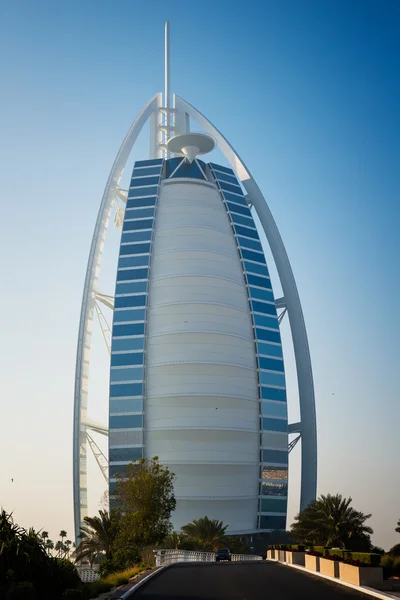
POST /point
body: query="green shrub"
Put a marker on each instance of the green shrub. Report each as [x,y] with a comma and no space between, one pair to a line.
[396,566]
[73,594]
[95,588]
[21,591]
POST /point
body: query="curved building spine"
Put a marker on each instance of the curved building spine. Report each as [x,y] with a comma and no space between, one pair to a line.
[197,373]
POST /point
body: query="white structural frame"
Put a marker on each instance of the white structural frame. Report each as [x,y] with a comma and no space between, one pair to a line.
[164,122]
[291,300]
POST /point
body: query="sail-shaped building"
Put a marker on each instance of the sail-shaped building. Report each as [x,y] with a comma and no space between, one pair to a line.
[197,373]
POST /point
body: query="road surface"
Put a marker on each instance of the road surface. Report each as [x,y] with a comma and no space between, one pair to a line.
[244,581]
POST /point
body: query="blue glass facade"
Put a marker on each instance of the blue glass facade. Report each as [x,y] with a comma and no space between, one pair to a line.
[128,334]
[272,389]
[128,368]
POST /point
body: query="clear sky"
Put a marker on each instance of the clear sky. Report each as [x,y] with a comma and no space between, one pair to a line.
[308,92]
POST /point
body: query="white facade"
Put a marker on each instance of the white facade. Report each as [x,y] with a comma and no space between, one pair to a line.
[202,403]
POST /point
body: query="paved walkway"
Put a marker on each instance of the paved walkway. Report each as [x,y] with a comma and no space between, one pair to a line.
[241,581]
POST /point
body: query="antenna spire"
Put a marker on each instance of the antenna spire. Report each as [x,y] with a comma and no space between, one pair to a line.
[167,104]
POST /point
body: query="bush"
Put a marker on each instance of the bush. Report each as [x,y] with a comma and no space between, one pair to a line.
[123,576]
[94,589]
[147,557]
[314,553]
[21,591]
[73,594]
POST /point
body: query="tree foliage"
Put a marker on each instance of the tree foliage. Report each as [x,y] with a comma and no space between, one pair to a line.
[146,499]
[24,560]
[98,535]
[398,526]
[208,533]
[331,521]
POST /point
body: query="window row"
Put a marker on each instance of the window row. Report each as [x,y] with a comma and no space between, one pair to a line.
[272,522]
[239,208]
[129,301]
[266,335]
[261,293]
[124,454]
[275,473]
[133,237]
[266,321]
[135,287]
[148,163]
[275,456]
[229,187]
[274,409]
[146,171]
[127,249]
[141,203]
[120,360]
[227,177]
[129,316]
[279,425]
[269,349]
[126,422]
[126,375]
[246,232]
[250,244]
[278,505]
[266,378]
[144,181]
[125,390]
[129,274]
[221,168]
[132,344]
[256,268]
[271,364]
[126,406]
[128,329]
[139,213]
[142,192]
[240,220]
[133,261]
[121,471]
[254,256]
[137,225]
[238,197]
[270,393]
[265,308]
[274,488]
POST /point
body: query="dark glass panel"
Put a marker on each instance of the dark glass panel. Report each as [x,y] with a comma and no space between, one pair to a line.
[120,360]
[136,225]
[127,301]
[279,425]
[141,181]
[128,329]
[135,249]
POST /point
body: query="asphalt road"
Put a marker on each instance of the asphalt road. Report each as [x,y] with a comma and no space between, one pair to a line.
[244,581]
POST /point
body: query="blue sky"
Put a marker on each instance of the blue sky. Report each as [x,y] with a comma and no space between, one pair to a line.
[308,93]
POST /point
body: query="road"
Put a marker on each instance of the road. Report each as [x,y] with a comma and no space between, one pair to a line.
[244,581]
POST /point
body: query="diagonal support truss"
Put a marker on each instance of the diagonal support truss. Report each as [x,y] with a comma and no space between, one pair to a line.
[99,456]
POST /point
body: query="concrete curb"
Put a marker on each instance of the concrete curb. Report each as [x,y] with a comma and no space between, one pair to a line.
[133,589]
[360,588]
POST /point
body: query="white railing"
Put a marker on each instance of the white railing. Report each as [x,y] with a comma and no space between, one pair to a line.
[168,557]
[87,575]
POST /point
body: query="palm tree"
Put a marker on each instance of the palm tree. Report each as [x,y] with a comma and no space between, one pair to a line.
[398,526]
[176,540]
[63,534]
[67,545]
[59,548]
[331,521]
[208,533]
[45,535]
[98,535]
[49,546]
